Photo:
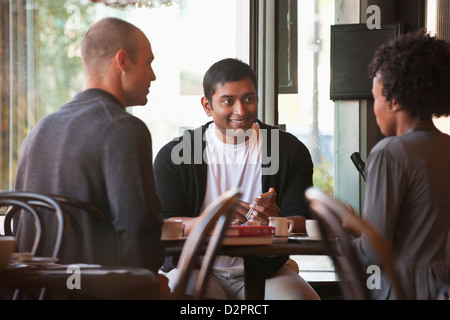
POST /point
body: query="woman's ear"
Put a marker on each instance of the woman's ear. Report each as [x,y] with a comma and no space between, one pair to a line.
[206,106]
[394,105]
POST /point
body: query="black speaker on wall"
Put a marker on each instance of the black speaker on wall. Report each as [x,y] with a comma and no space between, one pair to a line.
[352,49]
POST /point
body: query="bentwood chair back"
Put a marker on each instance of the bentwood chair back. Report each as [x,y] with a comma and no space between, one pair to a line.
[61,219]
[31,203]
[215,218]
[353,278]
[74,209]
[50,219]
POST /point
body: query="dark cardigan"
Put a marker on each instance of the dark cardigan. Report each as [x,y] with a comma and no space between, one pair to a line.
[182,186]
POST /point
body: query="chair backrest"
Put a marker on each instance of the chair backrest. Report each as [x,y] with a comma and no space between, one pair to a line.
[213,221]
[353,278]
[29,202]
[56,205]
[73,208]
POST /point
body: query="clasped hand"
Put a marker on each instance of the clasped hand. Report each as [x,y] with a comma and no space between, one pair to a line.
[262,210]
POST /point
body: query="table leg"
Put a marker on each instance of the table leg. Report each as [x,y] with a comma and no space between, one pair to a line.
[254,278]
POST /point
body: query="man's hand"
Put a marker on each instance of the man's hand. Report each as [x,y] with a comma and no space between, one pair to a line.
[240,212]
[263,208]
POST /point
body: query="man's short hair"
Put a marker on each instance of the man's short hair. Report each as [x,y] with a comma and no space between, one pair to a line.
[223,71]
[104,39]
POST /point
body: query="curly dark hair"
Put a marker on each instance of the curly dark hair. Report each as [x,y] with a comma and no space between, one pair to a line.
[415,70]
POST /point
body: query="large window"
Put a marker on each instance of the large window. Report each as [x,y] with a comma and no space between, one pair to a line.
[41,66]
[306,109]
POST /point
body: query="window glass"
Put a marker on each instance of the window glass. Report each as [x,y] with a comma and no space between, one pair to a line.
[41,64]
[309,113]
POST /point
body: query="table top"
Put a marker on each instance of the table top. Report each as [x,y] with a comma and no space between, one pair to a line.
[103,282]
[252,255]
[296,245]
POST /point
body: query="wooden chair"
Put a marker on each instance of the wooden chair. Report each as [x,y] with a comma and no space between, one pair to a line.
[353,278]
[57,222]
[215,218]
[29,202]
[49,234]
[72,209]
[58,205]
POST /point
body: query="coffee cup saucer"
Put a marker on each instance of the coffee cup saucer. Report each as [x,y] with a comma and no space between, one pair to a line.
[314,238]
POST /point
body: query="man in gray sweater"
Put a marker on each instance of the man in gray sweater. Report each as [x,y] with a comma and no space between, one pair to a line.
[93,150]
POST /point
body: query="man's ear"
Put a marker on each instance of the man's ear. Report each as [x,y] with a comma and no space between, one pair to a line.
[122,60]
[206,106]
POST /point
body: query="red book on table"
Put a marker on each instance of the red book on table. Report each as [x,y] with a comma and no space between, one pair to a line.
[250,231]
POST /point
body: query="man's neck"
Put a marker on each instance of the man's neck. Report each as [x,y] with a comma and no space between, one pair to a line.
[108,86]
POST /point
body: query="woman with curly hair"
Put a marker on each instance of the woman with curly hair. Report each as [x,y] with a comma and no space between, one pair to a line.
[408,172]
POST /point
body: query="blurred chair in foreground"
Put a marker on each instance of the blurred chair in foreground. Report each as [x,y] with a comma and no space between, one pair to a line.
[215,218]
[353,277]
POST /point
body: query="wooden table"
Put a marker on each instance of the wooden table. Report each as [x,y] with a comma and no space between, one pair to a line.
[96,282]
[253,255]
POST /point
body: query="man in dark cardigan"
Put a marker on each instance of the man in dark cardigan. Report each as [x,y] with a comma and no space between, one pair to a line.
[237,150]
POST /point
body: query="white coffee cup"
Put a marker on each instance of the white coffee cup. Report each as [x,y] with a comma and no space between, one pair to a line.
[313,229]
[172,229]
[7,247]
[283,226]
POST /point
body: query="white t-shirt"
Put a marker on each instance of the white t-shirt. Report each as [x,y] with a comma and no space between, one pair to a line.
[231,166]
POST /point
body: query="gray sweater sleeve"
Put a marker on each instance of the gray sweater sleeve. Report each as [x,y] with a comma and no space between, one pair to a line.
[135,207]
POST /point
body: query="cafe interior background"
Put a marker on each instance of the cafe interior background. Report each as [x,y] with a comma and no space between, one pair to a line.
[288,42]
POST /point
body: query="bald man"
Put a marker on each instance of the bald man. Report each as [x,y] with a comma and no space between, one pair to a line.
[93,150]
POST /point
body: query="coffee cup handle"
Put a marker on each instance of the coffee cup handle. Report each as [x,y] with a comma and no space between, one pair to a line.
[291,225]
